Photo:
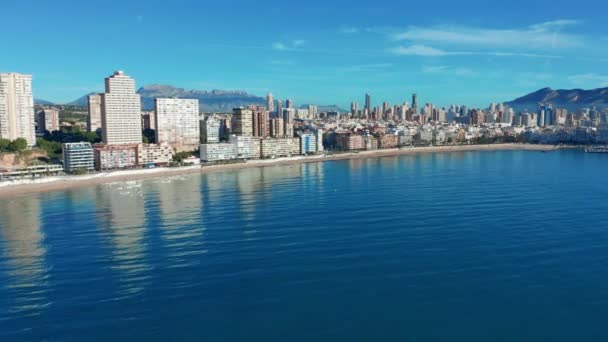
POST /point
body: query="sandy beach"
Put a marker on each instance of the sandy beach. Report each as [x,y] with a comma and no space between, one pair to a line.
[20,187]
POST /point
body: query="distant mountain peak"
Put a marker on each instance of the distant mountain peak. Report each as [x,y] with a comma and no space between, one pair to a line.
[571,99]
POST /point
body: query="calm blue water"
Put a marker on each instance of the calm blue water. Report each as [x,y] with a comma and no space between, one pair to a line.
[480,246]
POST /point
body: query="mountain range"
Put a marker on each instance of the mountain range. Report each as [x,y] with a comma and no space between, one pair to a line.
[225,100]
[571,99]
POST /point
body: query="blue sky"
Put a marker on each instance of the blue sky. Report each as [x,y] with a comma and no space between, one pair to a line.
[326,52]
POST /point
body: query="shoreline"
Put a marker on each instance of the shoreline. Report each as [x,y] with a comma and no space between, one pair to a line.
[48,184]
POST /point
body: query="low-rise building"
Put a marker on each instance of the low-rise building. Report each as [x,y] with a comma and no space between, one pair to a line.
[217,152]
[78,156]
[279,147]
[157,154]
[247,147]
[350,142]
[388,141]
[308,143]
[111,157]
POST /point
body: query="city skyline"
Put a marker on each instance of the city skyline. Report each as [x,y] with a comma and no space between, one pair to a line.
[461,53]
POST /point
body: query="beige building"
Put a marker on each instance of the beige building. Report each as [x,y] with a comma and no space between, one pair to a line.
[121,111]
[242,122]
[110,157]
[280,147]
[47,120]
[154,154]
[177,123]
[94,115]
[217,152]
[17,118]
[246,147]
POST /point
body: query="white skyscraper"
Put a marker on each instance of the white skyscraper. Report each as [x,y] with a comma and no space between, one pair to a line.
[17,118]
[177,122]
[121,111]
[270,103]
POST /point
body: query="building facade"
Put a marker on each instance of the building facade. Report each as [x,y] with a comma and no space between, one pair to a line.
[217,152]
[94,114]
[47,120]
[279,147]
[242,122]
[17,118]
[211,129]
[308,143]
[121,111]
[157,154]
[111,157]
[177,123]
[78,156]
[246,147]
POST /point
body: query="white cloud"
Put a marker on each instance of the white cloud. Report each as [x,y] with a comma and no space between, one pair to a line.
[589,80]
[288,46]
[541,35]
[423,50]
[368,67]
[417,50]
[448,70]
[348,30]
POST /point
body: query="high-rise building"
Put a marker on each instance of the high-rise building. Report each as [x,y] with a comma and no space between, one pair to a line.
[269,103]
[276,128]
[290,104]
[177,122]
[121,111]
[279,111]
[354,109]
[415,103]
[368,103]
[17,118]
[260,123]
[242,121]
[313,111]
[540,118]
[210,130]
[47,120]
[94,115]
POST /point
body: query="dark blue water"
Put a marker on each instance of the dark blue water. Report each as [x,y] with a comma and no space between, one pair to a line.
[487,246]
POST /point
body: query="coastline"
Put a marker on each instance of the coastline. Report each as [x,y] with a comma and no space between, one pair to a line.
[23,187]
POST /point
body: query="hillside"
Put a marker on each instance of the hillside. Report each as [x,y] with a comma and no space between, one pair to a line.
[572,99]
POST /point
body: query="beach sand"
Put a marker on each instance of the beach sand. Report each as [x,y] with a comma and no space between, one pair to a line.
[68,182]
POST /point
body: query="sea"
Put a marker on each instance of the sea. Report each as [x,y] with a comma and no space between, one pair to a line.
[460,246]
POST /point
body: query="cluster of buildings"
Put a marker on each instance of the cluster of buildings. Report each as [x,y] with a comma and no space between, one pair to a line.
[259,132]
[276,129]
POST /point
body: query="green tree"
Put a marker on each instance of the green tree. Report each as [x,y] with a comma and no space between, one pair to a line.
[18,145]
[81,171]
[4,144]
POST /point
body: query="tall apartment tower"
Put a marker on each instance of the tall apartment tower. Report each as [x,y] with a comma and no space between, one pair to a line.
[290,104]
[17,117]
[177,122]
[47,120]
[368,103]
[354,109]
[269,103]
[121,111]
[260,123]
[242,122]
[415,103]
[94,116]
[279,111]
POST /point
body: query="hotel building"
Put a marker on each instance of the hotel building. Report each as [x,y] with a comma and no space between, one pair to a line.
[17,119]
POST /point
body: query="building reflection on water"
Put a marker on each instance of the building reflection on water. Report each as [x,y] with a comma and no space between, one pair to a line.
[121,217]
[24,254]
